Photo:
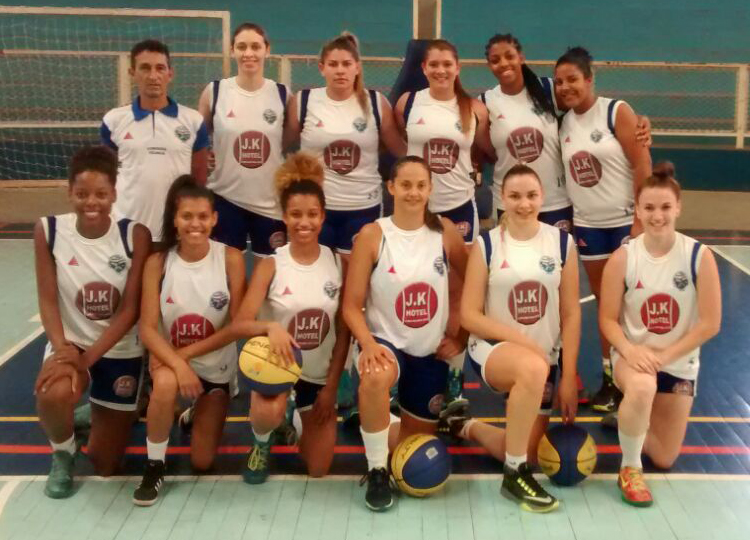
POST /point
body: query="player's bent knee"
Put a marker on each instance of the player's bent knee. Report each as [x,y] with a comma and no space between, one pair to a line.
[60,392]
[534,372]
[164,384]
[202,461]
[376,382]
[641,387]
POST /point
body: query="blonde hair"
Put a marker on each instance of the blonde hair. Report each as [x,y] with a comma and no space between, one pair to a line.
[348,42]
[301,173]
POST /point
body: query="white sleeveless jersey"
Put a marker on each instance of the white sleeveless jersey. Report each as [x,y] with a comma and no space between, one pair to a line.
[599,176]
[345,139]
[91,277]
[194,302]
[433,131]
[660,303]
[304,299]
[523,288]
[522,134]
[407,304]
[247,131]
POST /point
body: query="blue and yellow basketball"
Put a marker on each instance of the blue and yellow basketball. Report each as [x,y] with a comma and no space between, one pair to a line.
[421,465]
[567,454]
[263,370]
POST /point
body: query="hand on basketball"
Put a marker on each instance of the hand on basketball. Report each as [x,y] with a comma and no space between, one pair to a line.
[568,394]
[643,359]
[189,383]
[374,358]
[325,405]
[448,348]
[282,344]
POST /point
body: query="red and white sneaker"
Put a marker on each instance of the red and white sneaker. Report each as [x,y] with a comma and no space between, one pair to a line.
[633,487]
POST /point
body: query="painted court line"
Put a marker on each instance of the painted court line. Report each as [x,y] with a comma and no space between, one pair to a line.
[6,492]
[42,449]
[731,259]
[7,355]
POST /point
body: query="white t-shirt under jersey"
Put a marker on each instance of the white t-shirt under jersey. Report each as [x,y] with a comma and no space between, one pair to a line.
[523,288]
[599,176]
[91,277]
[661,303]
[407,304]
[304,299]
[247,132]
[346,140]
[194,302]
[433,131]
[522,134]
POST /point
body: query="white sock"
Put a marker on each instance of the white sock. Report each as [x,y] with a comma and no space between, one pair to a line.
[457,362]
[513,462]
[376,448]
[297,423]
[631,446]
[261,437]
[157,450]
[68,446]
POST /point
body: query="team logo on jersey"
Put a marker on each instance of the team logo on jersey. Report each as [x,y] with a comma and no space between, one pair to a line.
[182,133]
[117,263]
[416,304]
[527,302]
[190,328]
[525,144]
[596,135]
[218,300]
[680,280]
[472,345]
[683,388]
[125,386]
[98,300]
[440,154]
[458,125]
[435,405]
[547,264]
[330,288]
[277,239]
[360,124]
[309,328]
[585,168]
[342,156]
[270,116]
[252,149]
[565,225]
[660,313]
[439,265]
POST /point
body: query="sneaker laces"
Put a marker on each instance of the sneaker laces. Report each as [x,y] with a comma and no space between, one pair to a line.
[634,479]
[529,484]
[257,459]
[152,474]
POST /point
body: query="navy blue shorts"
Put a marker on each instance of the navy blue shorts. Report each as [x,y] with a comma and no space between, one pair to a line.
[669,384]
[305,394]
[116,382]
[421,383]
[548,398]
[466,220]
[208,386]
[597,244]
[341,226]
[236,224]
[562,218]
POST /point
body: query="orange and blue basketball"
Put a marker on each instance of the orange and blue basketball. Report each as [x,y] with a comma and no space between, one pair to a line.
[567,454]
[421,465]
[264,371]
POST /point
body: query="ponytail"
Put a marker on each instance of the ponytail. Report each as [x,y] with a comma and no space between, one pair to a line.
[348,42]
[542,101]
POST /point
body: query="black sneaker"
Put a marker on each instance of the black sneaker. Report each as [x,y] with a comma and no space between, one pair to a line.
[522,487]
[379,496]
[153,479]
[608,398]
